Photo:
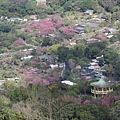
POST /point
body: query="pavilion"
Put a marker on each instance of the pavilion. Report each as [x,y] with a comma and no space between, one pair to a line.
[101,87]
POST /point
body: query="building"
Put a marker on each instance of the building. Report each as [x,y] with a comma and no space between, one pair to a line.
[40,1]
[33,17]
[1,82]
[89,12]
[27,58]
[68,82]
[101,87]
[14,19]
[53,66]
[46,57]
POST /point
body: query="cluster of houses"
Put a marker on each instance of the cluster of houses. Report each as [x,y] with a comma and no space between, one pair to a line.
[93,23]
[46,57]
[15,19]
[91,70]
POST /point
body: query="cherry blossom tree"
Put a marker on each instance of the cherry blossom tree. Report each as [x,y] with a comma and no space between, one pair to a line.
[52,79]
[45,26]
[77,101]
[21,70]
[59,23]
[67,30]
[29,76]
[19,42]
[86,102]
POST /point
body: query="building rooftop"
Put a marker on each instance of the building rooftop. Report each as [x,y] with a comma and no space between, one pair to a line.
[68,82]
[101,83]
[46,57]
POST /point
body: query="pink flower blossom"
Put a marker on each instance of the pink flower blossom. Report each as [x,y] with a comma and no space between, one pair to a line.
[21,70]
[24,85]
[41,81]
[45,26]
[105,101]
[87,102]
[67,30]
[59,23]
[29,75]
[101,37]
[77,101]
[20,42]
[34,61]
[27,29]
[37,80]
[52,79]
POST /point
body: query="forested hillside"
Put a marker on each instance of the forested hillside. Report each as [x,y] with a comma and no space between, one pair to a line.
[50,54]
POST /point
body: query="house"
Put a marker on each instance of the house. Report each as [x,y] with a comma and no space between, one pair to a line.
[46,57]
[61,65]
[95,20]
[110,36]
[89,12]
[82,24]
[14,19]
[33,17]
[25,20]
[89,71]
[93,64]
[112,30]
[40,1]
[103,16]
[13,79]
[95,60]
[16,79]
[91,40]
[3,18]
[27,58]
[89,23]
[68,82]
[72,43]
[53,66]
[93,25]
[1,82]
[79,30]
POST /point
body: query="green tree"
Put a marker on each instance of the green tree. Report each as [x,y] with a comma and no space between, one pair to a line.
[117,69]
[30,7]
[53,50]
[87,4]
[63,53]
[110,56]
[18,94]
[6,114]
[47,41]
[79,50]
[94,50]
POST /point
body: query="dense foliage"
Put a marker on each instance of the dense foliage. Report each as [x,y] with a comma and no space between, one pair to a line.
[39,93]
[53,102]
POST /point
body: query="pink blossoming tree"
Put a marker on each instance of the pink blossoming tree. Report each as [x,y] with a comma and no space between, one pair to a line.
[19,42]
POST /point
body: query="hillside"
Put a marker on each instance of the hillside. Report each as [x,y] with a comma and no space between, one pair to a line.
[59,60]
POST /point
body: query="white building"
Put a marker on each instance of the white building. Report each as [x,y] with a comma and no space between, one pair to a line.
[40,1]
[53,66]
[27,58]
[68,82]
